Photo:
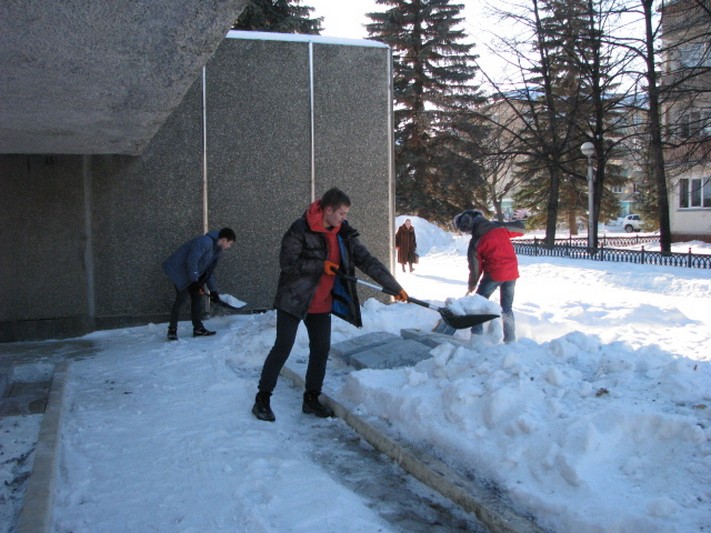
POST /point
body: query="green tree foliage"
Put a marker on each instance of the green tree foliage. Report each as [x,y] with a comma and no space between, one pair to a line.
[436,137]
[279,16]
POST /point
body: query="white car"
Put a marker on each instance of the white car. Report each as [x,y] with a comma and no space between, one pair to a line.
[632,223]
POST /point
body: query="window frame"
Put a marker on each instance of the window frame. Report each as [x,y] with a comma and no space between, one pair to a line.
[695,193]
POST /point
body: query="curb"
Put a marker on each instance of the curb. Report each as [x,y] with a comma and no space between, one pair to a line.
[36,513]
[495,514]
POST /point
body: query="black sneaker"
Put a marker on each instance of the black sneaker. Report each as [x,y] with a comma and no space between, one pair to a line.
[172,335]
[261,408]
[312,406]
[202,332]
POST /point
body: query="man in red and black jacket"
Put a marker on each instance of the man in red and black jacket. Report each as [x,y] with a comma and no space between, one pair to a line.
[317,247]
[492,258]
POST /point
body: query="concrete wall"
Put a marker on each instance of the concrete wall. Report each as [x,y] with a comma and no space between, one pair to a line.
[42,237]
[83,237]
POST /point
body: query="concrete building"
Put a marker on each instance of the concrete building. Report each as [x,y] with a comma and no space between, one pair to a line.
[95,190]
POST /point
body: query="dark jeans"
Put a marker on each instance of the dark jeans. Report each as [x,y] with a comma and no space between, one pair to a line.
[318,327]
[486,288]
[195,308]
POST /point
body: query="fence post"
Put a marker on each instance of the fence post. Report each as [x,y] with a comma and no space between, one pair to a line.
[535,246]
[690,257]
[642,255]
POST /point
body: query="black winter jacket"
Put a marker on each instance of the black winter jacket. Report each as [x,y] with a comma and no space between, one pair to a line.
[301,260]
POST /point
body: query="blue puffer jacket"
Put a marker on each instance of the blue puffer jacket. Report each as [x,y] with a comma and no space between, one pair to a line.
[194,261]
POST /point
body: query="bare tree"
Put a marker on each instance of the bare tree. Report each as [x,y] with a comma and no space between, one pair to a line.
[569,76]
[675,78]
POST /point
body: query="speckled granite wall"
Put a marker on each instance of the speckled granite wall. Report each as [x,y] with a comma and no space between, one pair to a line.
[259,156]
[83,237]
[261,180]
[42,242]
[143,208]
[351,136]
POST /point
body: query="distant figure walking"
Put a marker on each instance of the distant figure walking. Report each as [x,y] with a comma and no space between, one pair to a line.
[406,245]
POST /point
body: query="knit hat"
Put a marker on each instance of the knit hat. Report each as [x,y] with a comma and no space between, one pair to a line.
[464,221]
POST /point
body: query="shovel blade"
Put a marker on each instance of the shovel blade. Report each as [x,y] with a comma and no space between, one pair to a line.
[464,321]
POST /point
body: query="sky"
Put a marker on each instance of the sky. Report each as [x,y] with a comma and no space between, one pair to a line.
[598,418]
[346,18]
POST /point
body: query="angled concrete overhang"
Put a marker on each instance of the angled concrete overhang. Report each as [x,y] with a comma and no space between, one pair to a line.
[95,77]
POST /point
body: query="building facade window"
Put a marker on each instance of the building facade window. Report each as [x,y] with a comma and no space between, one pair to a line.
[694,193]
[695,123]
[694,55]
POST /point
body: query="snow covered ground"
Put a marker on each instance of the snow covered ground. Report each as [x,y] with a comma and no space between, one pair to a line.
[597,419]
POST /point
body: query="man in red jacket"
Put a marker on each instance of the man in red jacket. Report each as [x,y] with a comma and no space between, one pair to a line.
[493,259]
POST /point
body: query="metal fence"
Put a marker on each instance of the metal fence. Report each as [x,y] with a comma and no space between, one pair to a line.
[576,248]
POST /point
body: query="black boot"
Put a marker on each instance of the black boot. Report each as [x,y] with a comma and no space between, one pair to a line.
[312,406]
[261,408]
[172,334]
[202,332]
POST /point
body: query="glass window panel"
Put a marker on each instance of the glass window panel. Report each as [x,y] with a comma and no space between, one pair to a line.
[684,193]
[695,193]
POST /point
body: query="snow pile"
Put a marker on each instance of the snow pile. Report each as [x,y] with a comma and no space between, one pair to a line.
[585,436]
[473,304]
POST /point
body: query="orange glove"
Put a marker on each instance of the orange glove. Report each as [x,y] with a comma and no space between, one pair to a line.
[330,268]
[401,296]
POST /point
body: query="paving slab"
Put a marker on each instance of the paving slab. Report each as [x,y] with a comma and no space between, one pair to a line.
[394,354]
[346,349]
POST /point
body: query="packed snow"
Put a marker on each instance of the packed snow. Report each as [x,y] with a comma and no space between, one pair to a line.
[232,301]
[472,305]
[597,419]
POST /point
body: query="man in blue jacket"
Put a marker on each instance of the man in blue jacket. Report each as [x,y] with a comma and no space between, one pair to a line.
[190,268]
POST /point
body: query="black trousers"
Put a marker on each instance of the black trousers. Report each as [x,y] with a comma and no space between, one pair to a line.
[195,308]
[318,327]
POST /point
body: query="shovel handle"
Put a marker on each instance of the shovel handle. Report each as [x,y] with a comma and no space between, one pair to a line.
[410,299]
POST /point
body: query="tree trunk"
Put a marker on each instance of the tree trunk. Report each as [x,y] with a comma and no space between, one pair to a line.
[655,133]
[572,223]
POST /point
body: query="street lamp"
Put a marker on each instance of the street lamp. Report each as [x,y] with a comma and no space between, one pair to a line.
[588,149]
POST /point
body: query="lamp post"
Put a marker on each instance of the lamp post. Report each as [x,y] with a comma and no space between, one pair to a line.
[588,149]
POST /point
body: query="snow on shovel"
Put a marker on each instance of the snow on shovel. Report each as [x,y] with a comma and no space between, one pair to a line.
[457,321]
[229,301]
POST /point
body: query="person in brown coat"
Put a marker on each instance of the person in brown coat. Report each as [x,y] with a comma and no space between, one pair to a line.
[406,244]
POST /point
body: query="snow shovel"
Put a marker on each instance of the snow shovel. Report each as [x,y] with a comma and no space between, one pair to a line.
[228,301]
[449,318]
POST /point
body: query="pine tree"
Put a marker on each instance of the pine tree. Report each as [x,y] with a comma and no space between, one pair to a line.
[279,16]
[436,136]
